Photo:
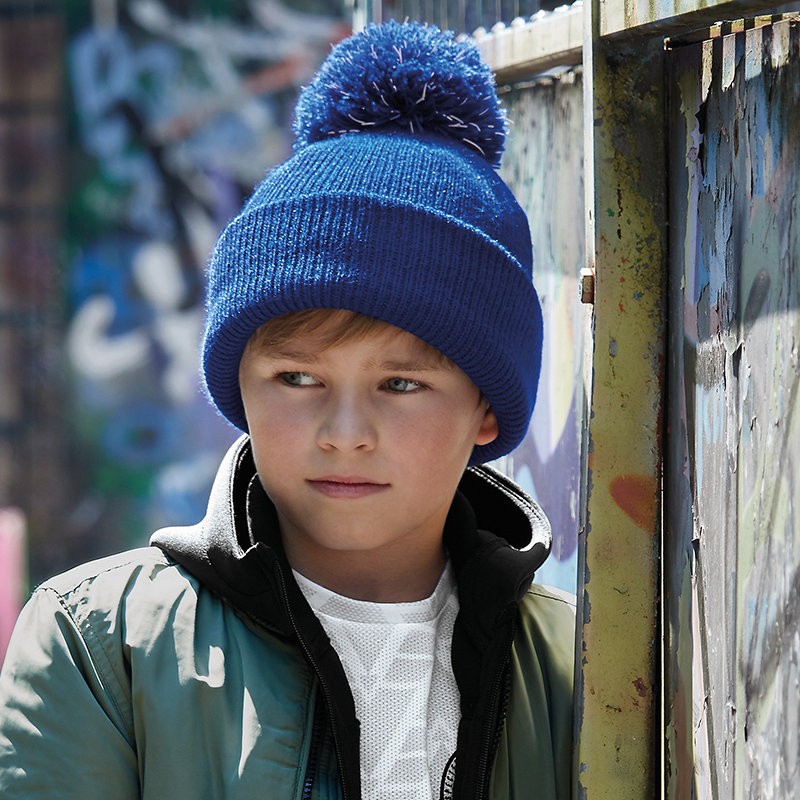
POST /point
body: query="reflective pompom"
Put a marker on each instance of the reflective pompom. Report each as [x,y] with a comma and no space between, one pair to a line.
[406,76]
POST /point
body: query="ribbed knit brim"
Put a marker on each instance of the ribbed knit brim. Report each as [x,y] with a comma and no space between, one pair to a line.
[411,230]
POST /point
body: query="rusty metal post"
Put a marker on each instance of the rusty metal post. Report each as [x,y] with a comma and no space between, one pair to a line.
[618,675]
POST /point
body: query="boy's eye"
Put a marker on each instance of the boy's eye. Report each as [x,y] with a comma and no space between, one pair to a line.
[298,379]
[401,385]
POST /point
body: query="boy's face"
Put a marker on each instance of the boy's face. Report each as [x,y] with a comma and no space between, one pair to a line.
[360,445]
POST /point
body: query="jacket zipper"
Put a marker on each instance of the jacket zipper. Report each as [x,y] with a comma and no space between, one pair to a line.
[497,706]
[313,755]
[320,677]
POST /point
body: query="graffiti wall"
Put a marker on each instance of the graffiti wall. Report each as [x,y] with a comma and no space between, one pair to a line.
[543,164]
[732,546]
[176,110]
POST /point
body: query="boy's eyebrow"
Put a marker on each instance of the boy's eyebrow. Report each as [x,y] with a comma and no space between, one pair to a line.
[285,354]
[389,365]
[409,365]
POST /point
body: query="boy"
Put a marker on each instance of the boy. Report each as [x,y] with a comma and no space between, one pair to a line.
[354,617]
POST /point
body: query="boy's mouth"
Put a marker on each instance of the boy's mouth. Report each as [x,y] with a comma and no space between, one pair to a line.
[346,487]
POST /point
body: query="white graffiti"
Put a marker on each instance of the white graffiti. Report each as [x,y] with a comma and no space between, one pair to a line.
[102,356]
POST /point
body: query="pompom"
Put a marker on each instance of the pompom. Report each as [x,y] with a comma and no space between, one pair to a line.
[408,76]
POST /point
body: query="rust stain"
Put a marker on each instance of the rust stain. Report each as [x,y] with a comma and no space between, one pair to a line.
[636,496]
[641,688]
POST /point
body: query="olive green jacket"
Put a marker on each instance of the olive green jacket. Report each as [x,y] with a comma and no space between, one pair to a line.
[195,669]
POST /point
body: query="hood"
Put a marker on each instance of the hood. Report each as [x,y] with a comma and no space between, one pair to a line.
[495,534]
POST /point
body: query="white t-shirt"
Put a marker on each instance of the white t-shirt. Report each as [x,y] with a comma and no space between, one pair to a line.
[397,660]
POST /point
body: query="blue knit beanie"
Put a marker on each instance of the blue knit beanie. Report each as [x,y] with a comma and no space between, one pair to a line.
[390,207]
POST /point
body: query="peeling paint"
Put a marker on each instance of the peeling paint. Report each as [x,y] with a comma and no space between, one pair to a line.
[732,541]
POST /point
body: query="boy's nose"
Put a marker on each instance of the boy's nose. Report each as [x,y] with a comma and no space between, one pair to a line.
[346,425]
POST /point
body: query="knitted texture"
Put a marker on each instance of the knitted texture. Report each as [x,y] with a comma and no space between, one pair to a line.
[403,220]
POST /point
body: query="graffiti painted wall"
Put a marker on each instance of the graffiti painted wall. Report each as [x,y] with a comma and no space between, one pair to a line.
[732,546]
[176,110]
[543,164]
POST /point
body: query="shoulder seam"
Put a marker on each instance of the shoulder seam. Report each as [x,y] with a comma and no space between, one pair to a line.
[101,569]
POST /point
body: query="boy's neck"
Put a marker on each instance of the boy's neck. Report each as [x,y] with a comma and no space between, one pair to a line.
[372,576]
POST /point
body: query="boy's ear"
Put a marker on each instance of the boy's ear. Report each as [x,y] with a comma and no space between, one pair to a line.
[489,428]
